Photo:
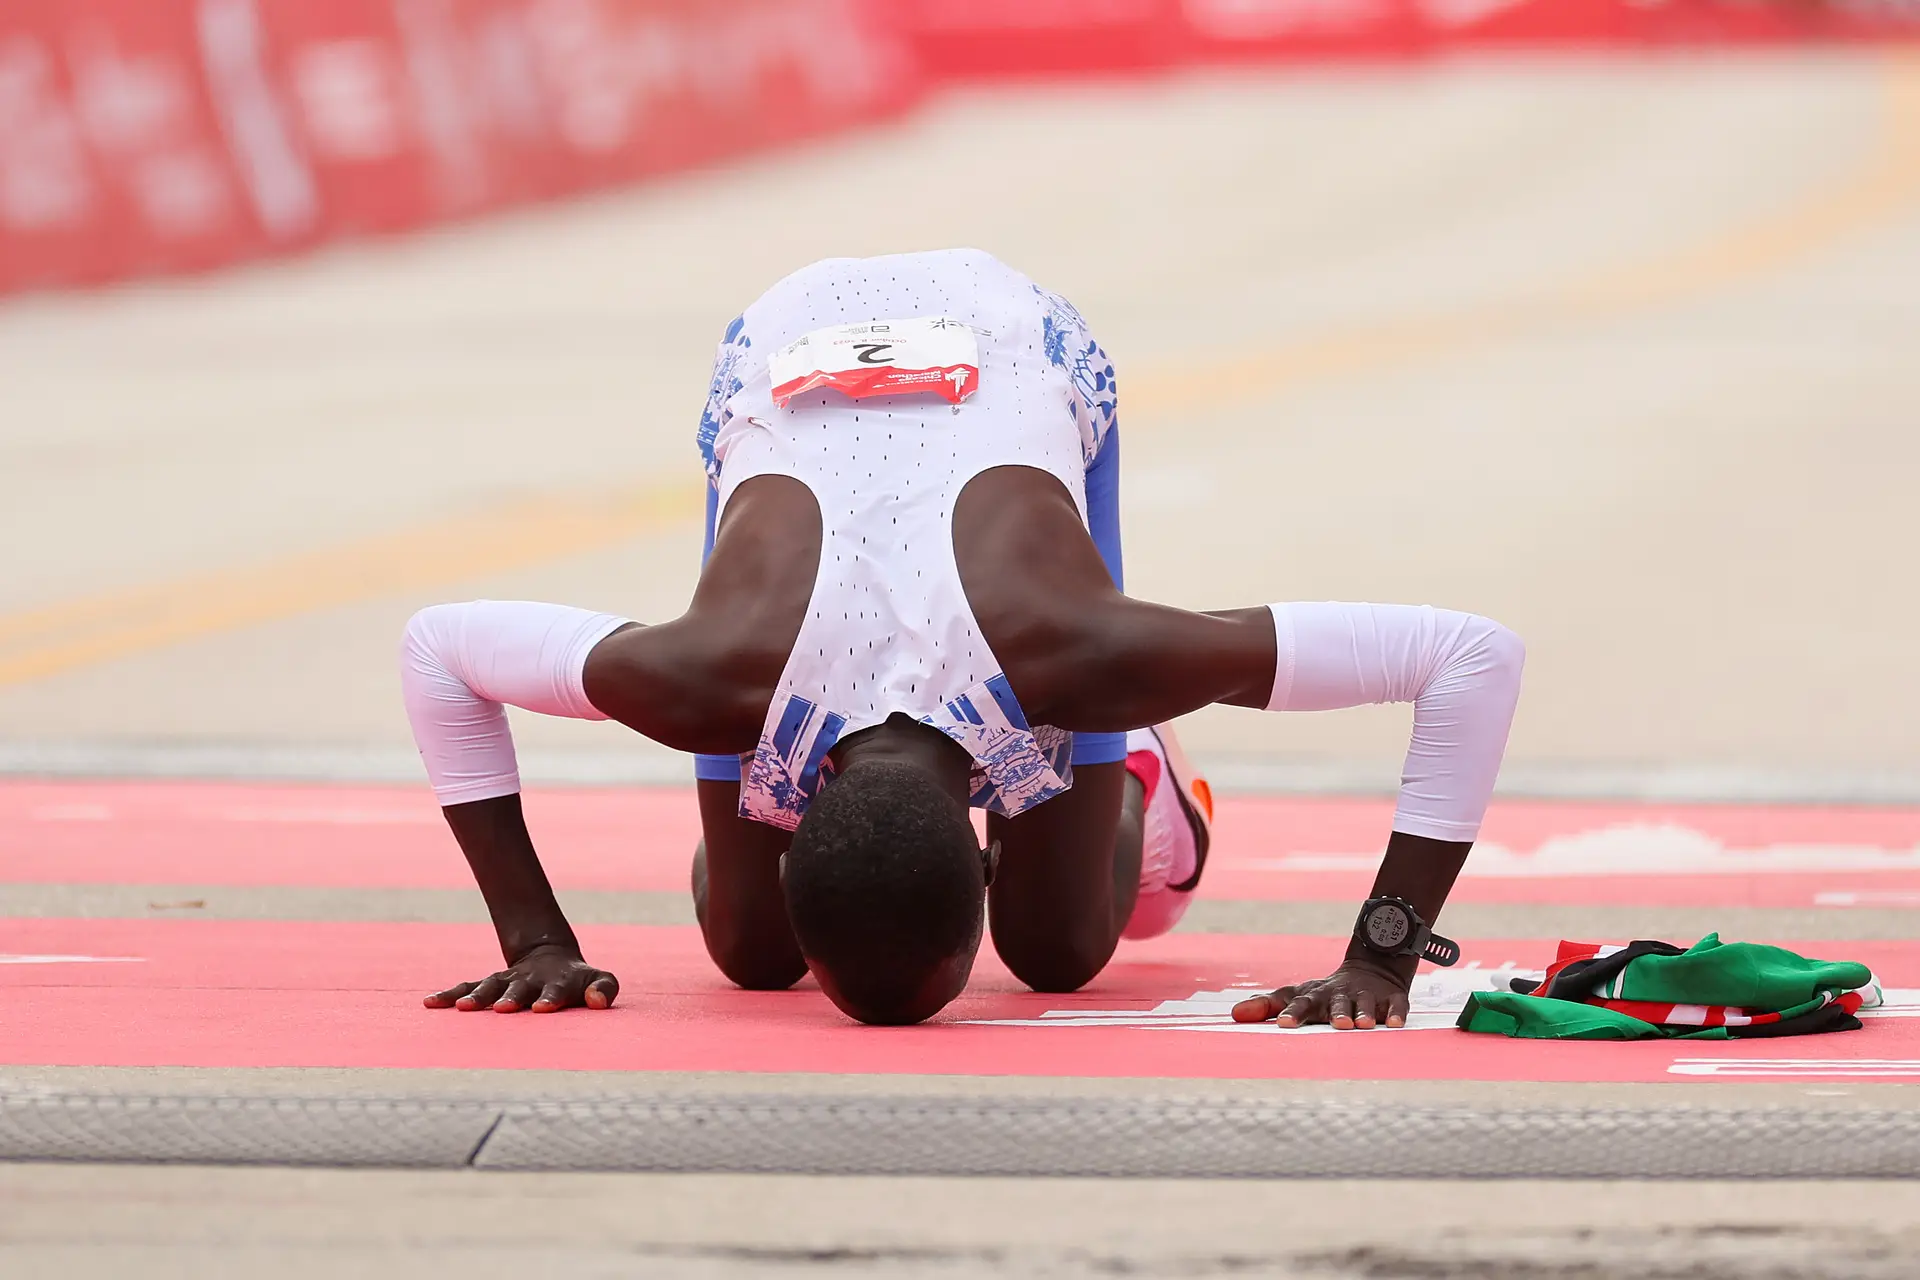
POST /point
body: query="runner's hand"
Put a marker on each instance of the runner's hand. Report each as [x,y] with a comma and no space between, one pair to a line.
[1354,995]
[546,980]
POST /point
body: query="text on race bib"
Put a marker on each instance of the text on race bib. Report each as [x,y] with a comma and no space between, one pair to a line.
[935,354]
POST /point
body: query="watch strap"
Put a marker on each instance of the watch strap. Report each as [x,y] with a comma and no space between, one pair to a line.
[1441,951]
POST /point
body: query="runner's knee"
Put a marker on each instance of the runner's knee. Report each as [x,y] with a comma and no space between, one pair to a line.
[756,964]
[752,960]
[752,957]
[1058,955]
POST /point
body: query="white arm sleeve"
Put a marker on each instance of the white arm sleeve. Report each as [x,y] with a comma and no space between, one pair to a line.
[460,662]
[1461,672]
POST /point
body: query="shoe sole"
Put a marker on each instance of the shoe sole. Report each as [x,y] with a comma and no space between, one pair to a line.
[1196,801]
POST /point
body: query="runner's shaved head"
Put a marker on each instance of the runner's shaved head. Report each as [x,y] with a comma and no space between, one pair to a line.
[886,891]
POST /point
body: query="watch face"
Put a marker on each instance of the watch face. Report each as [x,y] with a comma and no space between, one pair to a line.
[1387,927]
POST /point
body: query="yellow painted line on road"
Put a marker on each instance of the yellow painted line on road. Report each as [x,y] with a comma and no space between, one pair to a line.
[1262,375]
[1884,184]
[1879,189]
[115,624]
[61,637]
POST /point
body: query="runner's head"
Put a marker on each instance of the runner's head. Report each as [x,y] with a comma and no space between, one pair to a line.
[886,890]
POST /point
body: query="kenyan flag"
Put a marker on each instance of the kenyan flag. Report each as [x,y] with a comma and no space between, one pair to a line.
[1709,991]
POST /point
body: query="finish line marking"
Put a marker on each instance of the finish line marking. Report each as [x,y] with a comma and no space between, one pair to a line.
[1436,998]
[1436,1001]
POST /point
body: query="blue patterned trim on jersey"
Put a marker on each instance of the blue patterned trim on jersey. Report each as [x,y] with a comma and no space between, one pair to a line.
[1069,346]
[1015,766]
[724,385]
[787,765]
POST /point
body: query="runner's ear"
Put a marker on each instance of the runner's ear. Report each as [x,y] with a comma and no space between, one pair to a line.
[990,862]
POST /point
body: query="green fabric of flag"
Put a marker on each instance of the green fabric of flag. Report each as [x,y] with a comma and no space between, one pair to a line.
[1752,975]
[1772,991]
[1503,1013]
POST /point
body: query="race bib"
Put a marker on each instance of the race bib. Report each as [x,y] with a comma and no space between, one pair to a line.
[881,358]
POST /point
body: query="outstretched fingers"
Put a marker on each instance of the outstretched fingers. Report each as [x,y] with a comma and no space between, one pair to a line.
[518,995]
[1350,1000]
[451,996]
[594,988]
[484,993]
[543,981]
[1263,1008]
[1301,1010]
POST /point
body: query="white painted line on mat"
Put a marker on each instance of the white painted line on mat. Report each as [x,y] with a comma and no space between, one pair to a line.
[50,959]
[1766,1068]
[73,813]
[1629,849]
[1524,780]
[1436,1000]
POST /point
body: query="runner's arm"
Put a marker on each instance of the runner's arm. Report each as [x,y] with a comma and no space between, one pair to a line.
[1462,674]
[461,665]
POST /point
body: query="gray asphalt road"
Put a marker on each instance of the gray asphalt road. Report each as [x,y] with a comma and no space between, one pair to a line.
[1611,351]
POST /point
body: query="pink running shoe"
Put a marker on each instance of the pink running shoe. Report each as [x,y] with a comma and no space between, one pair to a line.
[1179,826]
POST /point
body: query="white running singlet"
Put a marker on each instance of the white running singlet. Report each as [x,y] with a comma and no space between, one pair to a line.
[889,629]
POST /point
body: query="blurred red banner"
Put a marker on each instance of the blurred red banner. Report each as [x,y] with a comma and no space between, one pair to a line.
[141,136]
[161,135]
[1041,37]
[965,38]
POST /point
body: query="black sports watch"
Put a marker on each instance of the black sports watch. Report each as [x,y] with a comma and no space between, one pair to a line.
[1391,927]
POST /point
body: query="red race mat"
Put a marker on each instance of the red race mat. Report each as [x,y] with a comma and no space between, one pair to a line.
[1281,849]
[270,993]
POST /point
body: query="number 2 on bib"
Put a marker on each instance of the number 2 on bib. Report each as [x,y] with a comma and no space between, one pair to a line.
[934,354]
